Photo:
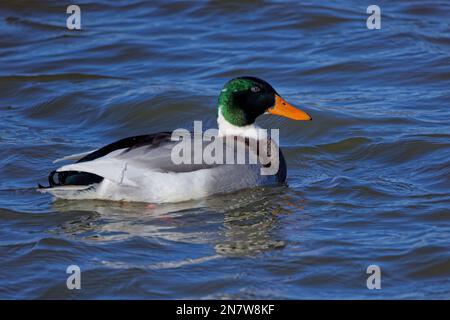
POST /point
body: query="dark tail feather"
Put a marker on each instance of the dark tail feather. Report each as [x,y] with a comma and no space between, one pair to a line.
[51,182]
[72,178]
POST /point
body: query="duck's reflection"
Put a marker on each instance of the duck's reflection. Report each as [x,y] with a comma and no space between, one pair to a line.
[235,224]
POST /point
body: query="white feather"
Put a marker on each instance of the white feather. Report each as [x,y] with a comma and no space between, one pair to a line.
[76,156]
[227,129]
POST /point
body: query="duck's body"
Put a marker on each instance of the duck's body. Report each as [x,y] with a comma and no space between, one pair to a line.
[142,169]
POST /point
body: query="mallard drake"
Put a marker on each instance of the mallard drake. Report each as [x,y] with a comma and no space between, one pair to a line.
[141,168]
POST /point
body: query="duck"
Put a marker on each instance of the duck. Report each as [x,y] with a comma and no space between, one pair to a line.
[142,168]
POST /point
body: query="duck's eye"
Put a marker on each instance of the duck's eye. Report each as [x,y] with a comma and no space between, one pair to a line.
[255,89]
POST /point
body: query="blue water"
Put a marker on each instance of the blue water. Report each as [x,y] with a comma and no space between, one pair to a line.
[368,178]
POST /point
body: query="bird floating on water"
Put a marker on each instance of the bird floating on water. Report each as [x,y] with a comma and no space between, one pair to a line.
[141,168]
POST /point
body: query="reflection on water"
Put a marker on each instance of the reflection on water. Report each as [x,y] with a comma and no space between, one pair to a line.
[242,223]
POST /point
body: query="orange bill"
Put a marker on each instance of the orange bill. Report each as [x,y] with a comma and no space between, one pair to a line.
[284,109]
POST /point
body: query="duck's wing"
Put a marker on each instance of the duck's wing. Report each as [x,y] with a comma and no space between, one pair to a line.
[124,161]
[150,141]
[76,156]
[130,142]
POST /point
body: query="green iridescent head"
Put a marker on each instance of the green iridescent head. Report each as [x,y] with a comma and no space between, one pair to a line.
[243,99]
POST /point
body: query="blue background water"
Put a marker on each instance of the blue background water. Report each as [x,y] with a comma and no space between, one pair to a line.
[368,177]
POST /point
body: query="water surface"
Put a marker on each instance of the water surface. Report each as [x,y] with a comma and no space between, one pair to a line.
[368,177]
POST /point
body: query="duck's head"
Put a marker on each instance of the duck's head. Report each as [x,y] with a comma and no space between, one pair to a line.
[243,99]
